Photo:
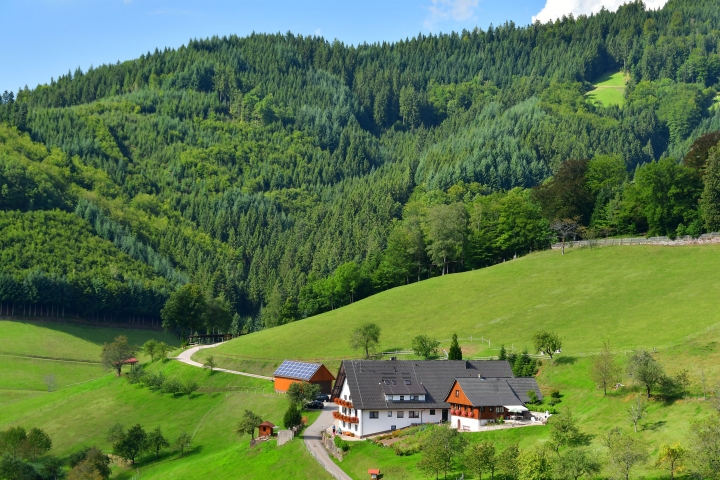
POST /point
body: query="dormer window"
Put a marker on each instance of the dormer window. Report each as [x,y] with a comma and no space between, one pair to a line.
[402,397]
[393,382]
[387,382]
[407,382]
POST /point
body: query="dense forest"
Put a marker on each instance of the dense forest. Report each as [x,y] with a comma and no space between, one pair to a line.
[288,175]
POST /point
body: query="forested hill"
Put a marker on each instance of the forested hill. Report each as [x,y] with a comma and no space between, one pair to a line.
[255,167]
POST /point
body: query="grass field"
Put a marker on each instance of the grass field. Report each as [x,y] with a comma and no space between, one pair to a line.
[609,90]
[67,341]
[636,296]
[81,415]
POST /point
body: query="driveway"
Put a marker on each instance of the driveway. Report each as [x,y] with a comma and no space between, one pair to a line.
[186,357]
[313,441]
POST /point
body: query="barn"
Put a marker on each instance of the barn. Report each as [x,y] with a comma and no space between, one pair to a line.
[290,372]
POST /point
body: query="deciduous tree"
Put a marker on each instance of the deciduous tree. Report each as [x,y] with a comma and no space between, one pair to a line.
[672,458]
[114,354]
[644,369]
[605,369]
[248,423]
[481,458]
[548,342]
[424,346]
[366,337]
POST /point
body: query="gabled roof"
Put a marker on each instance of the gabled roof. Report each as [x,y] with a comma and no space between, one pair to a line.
[487,392]
[297,370]
[366,379]
[266,424]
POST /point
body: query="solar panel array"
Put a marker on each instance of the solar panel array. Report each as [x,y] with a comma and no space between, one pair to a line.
[299,370]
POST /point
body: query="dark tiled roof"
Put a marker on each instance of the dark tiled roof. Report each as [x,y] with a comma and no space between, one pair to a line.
[488,392]
[523,385]
[365,379]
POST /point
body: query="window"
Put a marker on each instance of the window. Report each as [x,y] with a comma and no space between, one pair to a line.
[400,414]
[387,382]
[498,409]
[393,382]
[374,415]
[407,382]
[482,409]
[457,393]
[414,414]
[345,397]
[389,413]
[414,397]
[355,427]
[344,425]
[402,397]
[432,412]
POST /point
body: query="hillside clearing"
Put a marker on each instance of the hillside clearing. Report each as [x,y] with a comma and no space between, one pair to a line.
[609,90]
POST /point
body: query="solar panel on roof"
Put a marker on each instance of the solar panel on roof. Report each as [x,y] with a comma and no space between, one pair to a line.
[299,370]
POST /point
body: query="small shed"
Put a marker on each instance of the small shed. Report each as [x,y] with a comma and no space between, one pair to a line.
[291,371]
[266,429]
[374,473]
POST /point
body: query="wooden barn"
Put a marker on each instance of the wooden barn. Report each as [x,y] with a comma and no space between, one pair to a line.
[290,372]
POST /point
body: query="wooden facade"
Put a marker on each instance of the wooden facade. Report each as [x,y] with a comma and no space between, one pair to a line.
[460,405]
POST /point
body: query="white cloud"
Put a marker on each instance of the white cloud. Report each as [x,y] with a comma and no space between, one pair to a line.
[555,9]
[457,10]
[318,32]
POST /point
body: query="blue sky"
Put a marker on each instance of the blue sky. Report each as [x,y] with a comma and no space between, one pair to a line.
[46,38]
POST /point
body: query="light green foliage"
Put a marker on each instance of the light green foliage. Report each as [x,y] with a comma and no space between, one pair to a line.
[625,452]
[705,446]
[149,348]
[248,423]
[445,233]
[366,337]
[548,342]
[535,464]
[156,442]
[442,446]
[300,393]
[605,370]
[424,346]
[577,462]
[605,173]
[564,431]
[481,458]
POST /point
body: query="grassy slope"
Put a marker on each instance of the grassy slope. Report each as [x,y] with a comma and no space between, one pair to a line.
[82,414]
[66,341]
[609,90]
[636,296]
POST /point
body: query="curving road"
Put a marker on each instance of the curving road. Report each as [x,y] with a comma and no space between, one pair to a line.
[313,433]
[186,357]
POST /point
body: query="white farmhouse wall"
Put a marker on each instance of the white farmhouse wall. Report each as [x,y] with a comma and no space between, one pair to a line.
[471,423]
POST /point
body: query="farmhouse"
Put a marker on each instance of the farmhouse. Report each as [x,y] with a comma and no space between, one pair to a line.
[290,372]
[380,396]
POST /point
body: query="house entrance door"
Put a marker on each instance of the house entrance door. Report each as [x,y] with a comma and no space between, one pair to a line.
[444,415]
[458,424]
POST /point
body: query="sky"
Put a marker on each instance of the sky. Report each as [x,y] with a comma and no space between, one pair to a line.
[47,38]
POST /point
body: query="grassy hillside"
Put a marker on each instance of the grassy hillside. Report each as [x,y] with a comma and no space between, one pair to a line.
[89,400]
[635,296]
[608,90]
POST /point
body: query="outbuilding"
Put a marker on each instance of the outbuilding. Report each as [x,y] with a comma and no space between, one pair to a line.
[266,429]
[291,371]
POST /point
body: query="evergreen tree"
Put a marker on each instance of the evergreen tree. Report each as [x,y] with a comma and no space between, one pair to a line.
[455,352]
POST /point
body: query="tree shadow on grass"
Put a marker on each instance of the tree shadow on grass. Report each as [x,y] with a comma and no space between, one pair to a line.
[654,426]
[565,360]
[151,460]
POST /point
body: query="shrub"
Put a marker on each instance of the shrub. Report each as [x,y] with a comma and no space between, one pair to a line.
[555,393]
[135,375]
[532,396]
[171,385]
[190,387]
[155,380]
[292,417]
[341,444]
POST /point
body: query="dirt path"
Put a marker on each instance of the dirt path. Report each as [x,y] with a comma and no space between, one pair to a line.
[186,357]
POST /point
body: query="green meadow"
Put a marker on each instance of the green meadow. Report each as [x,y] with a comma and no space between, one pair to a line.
[609,90]
[635,296]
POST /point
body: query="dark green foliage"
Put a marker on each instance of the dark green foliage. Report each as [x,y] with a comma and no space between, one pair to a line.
[366,337]
[710,198]
[248,423]
[272,169]
[567,194]
[699,152]
[300,393]
[131,444]
[645,370]
[293,416]
[95,458]
[503,353]
[341,444]
[455,352]
[523,365]
[156,442]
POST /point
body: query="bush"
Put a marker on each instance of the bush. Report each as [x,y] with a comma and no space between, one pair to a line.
[155,380]
[341,444]
[190,387]
[171,385]
[135,375]
[532,396]
[555,393]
